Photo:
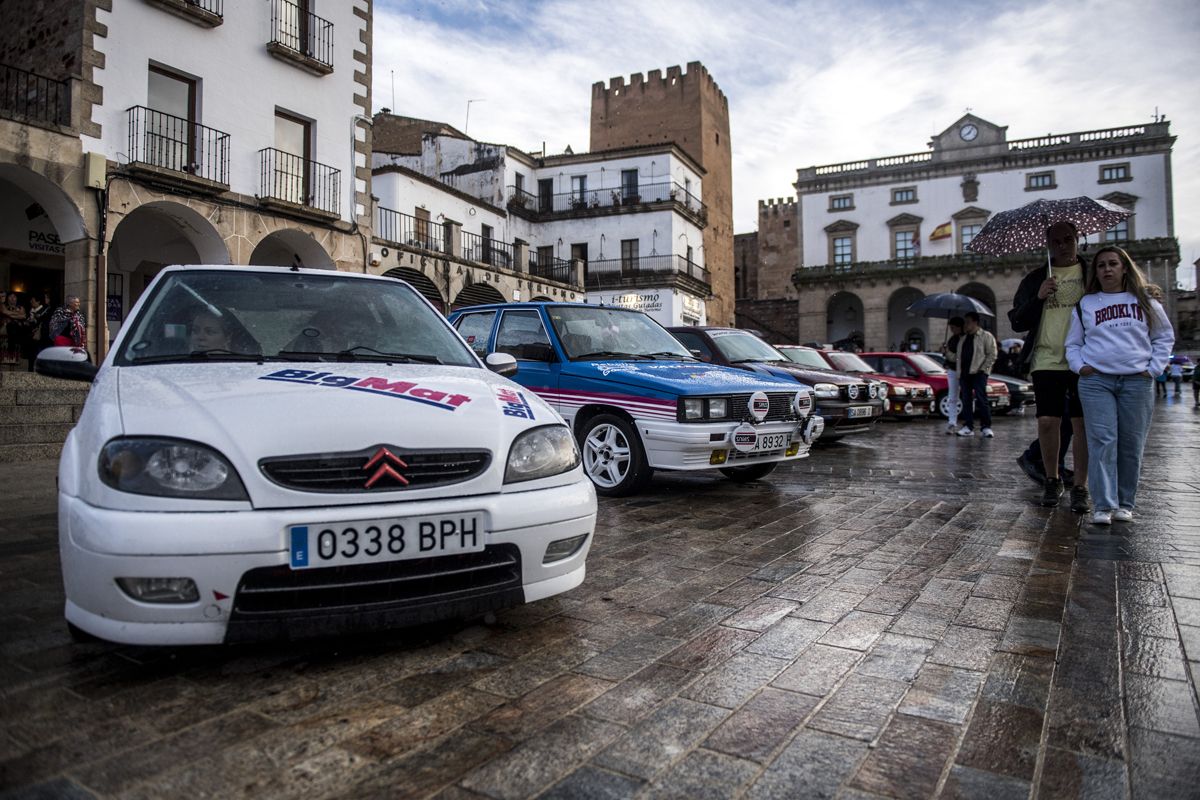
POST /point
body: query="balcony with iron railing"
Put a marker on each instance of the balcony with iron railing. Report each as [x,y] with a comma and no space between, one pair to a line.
[551,268]
[29,97]
[299,185]
[588,202]
[301,37]
[177,150]
[491,252]
[207,13]
[405,229]
[647,271]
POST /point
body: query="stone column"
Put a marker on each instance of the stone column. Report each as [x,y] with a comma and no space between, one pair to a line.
[521,257]
[453,238]
[875,326]
[578,272]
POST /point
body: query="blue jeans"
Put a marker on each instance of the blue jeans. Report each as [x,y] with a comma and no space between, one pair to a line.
[1116,414]
[974,388]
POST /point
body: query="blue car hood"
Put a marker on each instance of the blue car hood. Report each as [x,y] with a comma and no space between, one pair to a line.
[675,378]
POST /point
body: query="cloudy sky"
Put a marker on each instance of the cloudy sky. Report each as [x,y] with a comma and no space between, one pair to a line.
[808,82]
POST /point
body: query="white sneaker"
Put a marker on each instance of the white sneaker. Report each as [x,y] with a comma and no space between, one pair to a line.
[1123,515]
[965,431]
[1102,518]
[987,433]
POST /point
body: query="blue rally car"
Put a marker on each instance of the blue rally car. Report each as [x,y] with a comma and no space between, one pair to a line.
[637,400]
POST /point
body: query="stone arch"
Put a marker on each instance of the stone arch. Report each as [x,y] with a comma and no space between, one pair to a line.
[41,232]
[477,294]
[844,318]
[156,235]
[61,211]
[905,327]
[422,283]
[984,294]
[290,247]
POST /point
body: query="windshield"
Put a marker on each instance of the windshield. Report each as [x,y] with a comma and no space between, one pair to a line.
[208,315]
[807,358]
[849,362]
[926,364]
[600,332]
[742,346]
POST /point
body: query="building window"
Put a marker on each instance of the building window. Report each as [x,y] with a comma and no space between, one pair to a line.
[293,174]
[170,124]
[1114,173]
[629,255]
[1039,180]
[904,245]
[579,251]
[906,194]
[1118,232]
[843,250]
[841,202]
[966,232]
[520,182]
[629,186]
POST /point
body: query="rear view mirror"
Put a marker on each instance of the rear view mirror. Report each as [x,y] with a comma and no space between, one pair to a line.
[501,364]
[68,363]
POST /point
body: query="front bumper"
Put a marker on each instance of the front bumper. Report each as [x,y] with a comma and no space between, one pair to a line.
[909,407]
[838,422]
[690,445]
[228,554]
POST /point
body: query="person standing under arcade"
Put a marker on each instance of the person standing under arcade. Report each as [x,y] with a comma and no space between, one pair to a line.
[1043,306]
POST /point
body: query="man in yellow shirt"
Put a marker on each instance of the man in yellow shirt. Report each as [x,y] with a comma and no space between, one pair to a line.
[1043,306]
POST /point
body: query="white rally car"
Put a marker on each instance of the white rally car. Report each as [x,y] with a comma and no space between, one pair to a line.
[278,453]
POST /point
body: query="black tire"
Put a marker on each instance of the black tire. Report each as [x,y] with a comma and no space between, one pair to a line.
[751,472]
[613,456]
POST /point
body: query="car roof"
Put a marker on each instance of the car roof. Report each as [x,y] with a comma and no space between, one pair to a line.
[540,304]
[242,269]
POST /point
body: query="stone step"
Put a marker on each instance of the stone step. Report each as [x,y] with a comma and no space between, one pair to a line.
[14,453]
[46,397]
[34,415]
[17,379]
[34,434]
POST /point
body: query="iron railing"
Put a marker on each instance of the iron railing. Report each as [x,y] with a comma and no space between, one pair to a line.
[615,271]
[34,97]
[215,7]
[607,198]
[178,144]
[405,229]
[488,251]
[298,29]
[293,179]
[551,269]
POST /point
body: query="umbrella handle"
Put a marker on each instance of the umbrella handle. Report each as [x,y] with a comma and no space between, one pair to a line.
[1049,270]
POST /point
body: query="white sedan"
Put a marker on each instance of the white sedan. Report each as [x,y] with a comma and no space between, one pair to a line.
[270,454]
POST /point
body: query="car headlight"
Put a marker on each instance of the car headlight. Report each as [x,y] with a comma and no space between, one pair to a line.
[900,391]
[540,453]
[718,408]
[693,408]
[1025,387]
[826,391]
[169,468]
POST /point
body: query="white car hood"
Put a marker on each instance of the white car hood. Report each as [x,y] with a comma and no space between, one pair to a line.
[249,412]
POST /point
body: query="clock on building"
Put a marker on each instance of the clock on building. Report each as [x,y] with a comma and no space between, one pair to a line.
[968,132]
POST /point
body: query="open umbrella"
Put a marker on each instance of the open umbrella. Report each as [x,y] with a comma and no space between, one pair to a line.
[1024,228]
[1007,343]
[946,305]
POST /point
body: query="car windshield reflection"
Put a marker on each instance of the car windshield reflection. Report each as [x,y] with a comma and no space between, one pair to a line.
[595,333]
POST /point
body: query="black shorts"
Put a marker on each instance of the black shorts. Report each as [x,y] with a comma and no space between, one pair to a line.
[1055,391]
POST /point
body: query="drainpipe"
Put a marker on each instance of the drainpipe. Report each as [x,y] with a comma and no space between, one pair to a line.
[354,120]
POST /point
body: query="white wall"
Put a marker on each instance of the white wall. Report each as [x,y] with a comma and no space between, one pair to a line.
[405,194]
[240,83]
[939,199]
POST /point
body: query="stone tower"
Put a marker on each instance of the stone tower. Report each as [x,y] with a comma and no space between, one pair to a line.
[690,110]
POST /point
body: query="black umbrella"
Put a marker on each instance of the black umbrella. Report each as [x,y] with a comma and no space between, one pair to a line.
[1022,229]
[948,304]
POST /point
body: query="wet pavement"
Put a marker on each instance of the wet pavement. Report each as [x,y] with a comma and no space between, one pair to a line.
[893,617]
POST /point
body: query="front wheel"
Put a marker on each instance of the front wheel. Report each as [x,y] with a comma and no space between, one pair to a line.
[943,405]
[613,456]
[749,473]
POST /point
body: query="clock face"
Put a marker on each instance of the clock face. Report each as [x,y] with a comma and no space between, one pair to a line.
[968,132]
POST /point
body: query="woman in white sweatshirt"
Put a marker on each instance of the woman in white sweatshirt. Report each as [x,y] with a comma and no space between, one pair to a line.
[1119,339]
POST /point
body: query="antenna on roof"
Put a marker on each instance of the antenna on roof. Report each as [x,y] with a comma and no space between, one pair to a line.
[467,122]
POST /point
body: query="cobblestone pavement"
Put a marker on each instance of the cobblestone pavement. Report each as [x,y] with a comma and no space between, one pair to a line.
[893,617]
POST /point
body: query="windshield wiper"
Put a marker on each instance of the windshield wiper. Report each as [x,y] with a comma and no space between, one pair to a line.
[671,355]
[747,361]
[364,353]
[215,354]
[610,354]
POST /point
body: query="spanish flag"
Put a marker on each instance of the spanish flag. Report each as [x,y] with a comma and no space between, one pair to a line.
[943,231]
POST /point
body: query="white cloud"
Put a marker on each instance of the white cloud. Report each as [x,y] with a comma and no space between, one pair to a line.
[810,83]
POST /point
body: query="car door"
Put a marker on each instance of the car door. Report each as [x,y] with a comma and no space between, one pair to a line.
[475,327]
[522,334]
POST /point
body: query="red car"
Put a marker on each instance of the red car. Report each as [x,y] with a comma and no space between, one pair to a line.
[923,368]
[907,398]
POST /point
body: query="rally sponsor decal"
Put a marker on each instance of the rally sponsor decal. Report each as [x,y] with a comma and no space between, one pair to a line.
[760,405]
[513,403]
[744,437]
[638,407]
[403,390]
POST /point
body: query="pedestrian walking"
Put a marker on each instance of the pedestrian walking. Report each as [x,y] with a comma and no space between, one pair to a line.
[1160,382]
[36,325]
[954,326]
[12,318]
[1176,371]
[1119,339]
[976,354]
[1043,305]
[68,326]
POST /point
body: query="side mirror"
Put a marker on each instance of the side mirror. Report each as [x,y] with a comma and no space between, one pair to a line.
[69,363]
[501,364]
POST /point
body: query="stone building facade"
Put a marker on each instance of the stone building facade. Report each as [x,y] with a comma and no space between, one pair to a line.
[690,110]
[125,145]
[875,235]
